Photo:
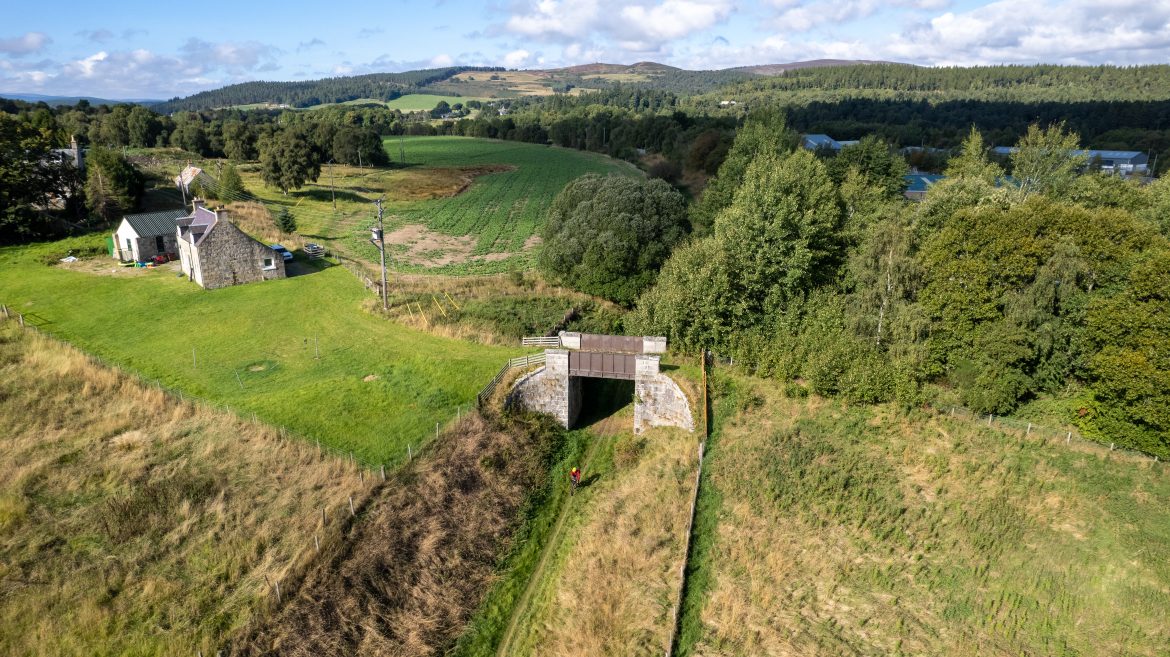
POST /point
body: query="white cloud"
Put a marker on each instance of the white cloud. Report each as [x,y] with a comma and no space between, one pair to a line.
[803,15]
[1006,31]
[439,61]
[233,57]
[25,44]
[641,25]
[85,68]
[516,58]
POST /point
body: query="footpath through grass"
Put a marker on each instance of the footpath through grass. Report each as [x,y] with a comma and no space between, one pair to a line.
[830,529]
[376,386]
[596,572]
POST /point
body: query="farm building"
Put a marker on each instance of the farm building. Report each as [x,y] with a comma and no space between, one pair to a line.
[214,253]
[141,237]
[814,142]
[917,185]
[195,177]
[1121,162]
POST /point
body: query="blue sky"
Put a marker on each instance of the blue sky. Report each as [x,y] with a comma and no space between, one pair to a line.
[161,49]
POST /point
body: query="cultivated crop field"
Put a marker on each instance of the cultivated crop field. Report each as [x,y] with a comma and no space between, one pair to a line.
[832,529]
[501,210]
[300,352]
[460,206]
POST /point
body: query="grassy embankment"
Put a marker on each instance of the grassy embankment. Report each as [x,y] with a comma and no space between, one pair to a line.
[132,524]
[830,529]
[596,573]
[376,386]
[425,552]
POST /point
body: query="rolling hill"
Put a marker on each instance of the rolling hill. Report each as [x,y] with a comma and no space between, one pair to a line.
[467,81]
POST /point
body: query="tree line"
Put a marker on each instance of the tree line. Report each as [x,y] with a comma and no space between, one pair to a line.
[307,93]
[991,293]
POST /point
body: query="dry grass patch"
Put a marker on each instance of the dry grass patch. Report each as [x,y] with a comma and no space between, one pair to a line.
[611,586]
[423,555]
[855,530]
[134,524]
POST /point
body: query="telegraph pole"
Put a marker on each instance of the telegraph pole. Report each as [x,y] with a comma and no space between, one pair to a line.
[331,192]
[381,236]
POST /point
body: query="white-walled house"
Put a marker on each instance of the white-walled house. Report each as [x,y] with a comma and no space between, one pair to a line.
[140,237]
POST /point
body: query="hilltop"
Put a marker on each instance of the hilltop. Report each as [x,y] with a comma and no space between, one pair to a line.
[480,82]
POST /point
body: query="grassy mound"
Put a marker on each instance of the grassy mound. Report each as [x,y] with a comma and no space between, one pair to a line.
[829,529]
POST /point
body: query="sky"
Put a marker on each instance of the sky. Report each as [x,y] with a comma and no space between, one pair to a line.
[131,49]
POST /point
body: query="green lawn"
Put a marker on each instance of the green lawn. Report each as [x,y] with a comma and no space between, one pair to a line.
[255,347]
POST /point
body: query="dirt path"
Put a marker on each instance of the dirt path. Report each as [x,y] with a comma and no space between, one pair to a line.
[554,539]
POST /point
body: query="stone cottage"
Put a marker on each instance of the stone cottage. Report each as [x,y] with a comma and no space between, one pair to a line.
[140,237]
[214,253]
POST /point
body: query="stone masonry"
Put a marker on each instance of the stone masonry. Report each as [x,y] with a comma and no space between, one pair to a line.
[214,253]
[658,400]
[550,389]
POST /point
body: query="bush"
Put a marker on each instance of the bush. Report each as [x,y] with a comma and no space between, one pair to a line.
[609,236]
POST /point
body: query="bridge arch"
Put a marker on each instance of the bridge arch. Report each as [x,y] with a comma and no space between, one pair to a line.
[556,388]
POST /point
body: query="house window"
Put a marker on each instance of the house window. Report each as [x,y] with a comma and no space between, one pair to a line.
[268,264]
[129,249]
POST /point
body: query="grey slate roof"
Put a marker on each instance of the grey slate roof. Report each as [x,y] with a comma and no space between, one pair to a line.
[155,223]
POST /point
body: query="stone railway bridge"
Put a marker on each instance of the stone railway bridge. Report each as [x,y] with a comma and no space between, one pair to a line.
[556,388]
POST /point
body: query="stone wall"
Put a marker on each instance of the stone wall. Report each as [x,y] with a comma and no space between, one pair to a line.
[227,256]
[658,401]
[550,389]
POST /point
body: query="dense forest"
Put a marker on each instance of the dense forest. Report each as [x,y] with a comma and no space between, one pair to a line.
[378,86]
[1020,84]
[816,272]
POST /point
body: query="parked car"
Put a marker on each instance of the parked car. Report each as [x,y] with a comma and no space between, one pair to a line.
[285,254]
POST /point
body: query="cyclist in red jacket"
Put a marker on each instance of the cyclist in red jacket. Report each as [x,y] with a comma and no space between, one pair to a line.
[575,477]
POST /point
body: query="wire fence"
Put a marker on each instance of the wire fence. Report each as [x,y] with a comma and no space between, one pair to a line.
[411,450]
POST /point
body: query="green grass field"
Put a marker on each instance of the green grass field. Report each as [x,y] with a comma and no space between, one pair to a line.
[501,210]
[472,206]
[376,387]
[825,528]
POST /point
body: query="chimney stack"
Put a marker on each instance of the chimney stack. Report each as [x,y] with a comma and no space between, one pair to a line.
[196,203]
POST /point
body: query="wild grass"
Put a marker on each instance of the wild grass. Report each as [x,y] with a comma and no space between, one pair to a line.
[299,352]
[538,522]
[131,524]
[424,553]
[855,530]
[498,309]
[595,573]
[611,586]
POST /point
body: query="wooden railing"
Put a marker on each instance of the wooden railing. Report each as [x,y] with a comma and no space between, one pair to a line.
[519,361]
[554,341]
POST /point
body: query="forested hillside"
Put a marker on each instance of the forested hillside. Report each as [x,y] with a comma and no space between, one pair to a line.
[1023,84]
[380,86]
